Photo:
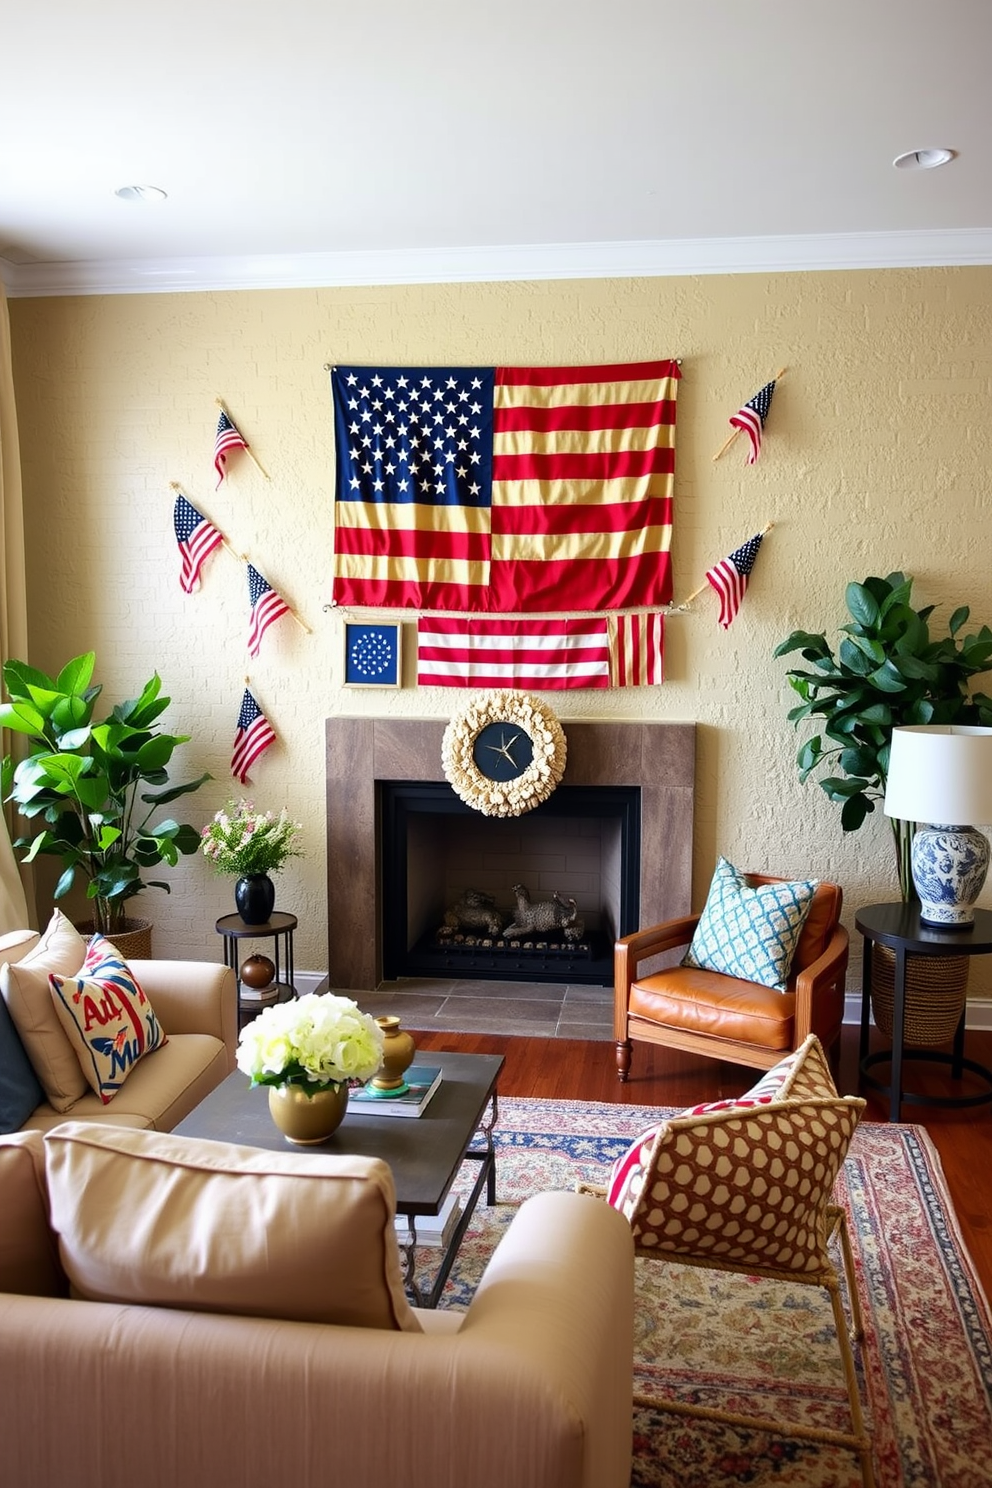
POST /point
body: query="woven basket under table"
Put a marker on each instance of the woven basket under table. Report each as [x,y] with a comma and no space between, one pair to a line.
[936,990]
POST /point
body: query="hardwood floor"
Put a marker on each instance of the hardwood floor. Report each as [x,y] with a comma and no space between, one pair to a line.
[566,1069]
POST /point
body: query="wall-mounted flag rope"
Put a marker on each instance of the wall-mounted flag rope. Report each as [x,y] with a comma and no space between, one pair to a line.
[254,735]
[729,577]
[229,437]
[751,419]
[197,538]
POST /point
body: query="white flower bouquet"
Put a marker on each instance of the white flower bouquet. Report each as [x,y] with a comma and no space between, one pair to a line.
[313,1041]
[241,840]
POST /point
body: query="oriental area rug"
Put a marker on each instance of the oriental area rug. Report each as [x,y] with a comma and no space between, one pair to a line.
[768,1348]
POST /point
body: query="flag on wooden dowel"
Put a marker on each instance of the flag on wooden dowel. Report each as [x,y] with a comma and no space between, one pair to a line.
[266,607]
[729,577]
[228,437]
[197,538]
[254,735]
[503,490]
[751,418]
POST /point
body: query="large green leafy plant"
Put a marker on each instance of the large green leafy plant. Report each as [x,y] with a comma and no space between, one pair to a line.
[888,670]
[81,783]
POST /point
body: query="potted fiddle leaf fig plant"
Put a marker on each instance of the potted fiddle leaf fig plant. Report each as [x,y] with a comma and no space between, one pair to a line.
[888,670]
[84,785]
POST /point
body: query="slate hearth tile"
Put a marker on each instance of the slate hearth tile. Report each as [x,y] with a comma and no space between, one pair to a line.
[595,1033]
[577,993]
[586,1012]
[408,1007]
[474,1015]
[526,991]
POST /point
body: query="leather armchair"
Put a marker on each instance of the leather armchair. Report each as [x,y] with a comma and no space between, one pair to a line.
[705,1012]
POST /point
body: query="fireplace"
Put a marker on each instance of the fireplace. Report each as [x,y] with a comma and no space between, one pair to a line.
[624,812]
[579,848]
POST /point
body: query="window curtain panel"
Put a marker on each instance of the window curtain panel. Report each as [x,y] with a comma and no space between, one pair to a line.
[13,598]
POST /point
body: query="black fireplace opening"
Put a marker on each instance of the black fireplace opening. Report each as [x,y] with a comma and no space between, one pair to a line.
[579,851]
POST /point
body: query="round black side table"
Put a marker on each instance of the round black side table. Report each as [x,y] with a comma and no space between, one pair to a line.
[279,927]
[899,927]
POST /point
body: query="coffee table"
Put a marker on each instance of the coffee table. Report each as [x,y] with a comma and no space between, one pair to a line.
[423,1152]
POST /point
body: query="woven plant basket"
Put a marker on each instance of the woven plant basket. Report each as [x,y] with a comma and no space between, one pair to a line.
[936,989]
[133,940]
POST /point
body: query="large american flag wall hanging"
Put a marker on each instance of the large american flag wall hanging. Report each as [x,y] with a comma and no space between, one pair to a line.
[504,490]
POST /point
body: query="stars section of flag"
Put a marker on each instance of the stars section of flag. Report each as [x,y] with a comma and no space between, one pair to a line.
[528,654]
[502,490]
[228,437]
[637,650]
[266,607]
[729,577]
[197,538]
[253,737]
[751,418]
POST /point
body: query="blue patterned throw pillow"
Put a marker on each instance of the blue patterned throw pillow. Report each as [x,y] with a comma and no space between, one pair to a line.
[748,930]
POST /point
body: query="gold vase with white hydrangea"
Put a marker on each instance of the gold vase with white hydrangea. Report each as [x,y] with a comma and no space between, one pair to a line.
[307,1051]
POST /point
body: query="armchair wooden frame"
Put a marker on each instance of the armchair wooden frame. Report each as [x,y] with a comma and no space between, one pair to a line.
[816,992]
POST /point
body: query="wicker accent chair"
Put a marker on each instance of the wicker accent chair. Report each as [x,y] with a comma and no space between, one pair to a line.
[706,1012]
[744,1186]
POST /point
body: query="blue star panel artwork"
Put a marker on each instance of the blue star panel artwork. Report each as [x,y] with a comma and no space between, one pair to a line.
[372,656]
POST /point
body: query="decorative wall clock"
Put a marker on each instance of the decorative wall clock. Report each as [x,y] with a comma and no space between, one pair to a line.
[504,753]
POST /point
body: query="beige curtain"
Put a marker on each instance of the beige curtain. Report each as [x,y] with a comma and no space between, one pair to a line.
[13,597]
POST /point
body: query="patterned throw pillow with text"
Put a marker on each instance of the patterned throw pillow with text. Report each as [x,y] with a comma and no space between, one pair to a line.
[107,1016]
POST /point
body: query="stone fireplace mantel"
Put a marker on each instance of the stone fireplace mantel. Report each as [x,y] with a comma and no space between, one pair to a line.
[658,758]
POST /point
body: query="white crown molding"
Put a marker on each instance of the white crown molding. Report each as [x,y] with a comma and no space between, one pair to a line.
[682,256]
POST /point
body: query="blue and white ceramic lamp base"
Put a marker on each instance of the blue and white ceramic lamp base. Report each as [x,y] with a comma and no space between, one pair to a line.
[949,868]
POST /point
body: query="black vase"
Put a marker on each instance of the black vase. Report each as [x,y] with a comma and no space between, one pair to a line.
[255,897]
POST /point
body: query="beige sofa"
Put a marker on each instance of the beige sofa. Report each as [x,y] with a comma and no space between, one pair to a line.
[153,1373]
[195,1002]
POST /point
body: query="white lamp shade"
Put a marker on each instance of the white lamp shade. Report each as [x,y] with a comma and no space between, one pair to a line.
[940,773]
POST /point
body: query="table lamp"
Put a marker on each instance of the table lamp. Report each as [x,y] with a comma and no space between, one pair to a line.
[940,776]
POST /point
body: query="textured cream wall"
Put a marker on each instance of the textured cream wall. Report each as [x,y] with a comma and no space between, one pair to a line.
[876,457]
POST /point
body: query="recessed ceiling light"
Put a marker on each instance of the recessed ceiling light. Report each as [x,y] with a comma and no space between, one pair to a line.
[141,193]
[923,159]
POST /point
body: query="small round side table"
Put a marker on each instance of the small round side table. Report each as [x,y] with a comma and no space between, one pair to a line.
[279,928]
[899,926]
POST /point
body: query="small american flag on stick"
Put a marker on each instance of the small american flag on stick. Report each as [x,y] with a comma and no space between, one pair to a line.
[266,606]
[751,418]
[729,577]
[228,437]
[253,737]
[197,538]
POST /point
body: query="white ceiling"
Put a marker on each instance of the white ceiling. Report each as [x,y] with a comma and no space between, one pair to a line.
[322,142]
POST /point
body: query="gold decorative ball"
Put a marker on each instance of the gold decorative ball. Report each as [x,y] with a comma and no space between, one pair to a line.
[257,972]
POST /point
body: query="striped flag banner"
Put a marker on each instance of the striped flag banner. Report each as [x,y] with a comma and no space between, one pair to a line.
[504,490]
[527,654]
[637,650]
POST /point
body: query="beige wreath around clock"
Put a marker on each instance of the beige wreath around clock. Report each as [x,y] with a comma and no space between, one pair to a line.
[508,797]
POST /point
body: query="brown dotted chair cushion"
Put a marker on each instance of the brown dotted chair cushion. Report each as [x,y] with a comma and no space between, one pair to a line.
[745,1183]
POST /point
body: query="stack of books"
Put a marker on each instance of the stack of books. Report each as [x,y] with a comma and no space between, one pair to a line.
[432,1229]
[260,994]
[422,1081]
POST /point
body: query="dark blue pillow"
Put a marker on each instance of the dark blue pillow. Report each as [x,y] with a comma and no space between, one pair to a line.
[20,1089]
